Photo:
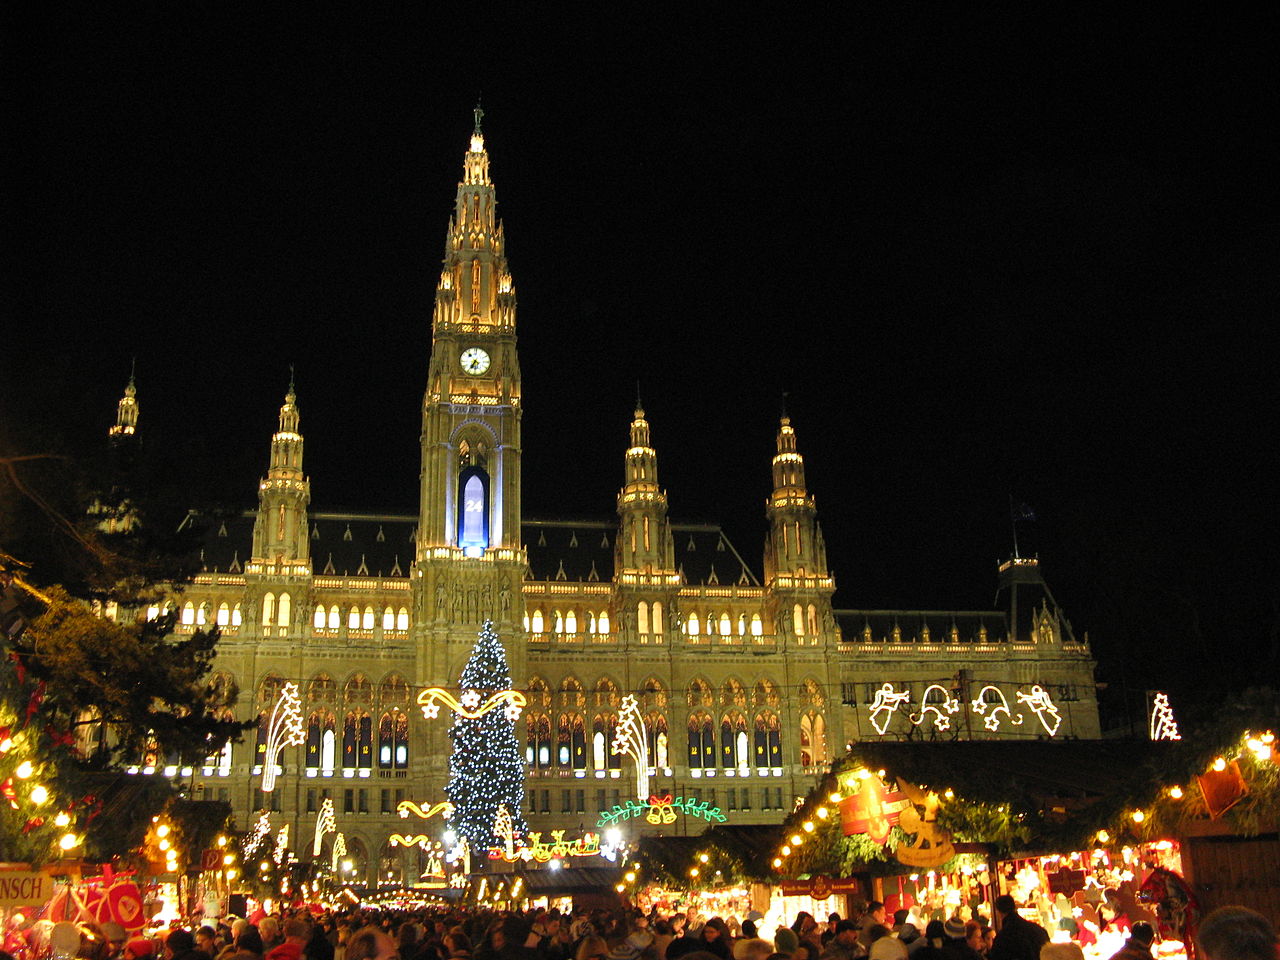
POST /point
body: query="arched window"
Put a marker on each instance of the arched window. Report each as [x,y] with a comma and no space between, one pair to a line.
[402,619]
[642,618]
[189,613]
[357,741]
[757,625]
[320,742]
[318,620]
[353,619]
[388,619]
[559,622]
[602,622]
[402,740]
[268,609]
[285,609]
[725,627]
[350,736]
[812,613]
[384,742]
[655,726]
[535,625]
[768,740]
[571,622]
[224,615]
[797,620]
[538,747]
[658,625]
[591,622]
[813,740]
[733,742]
[692,623]
[473,511]
[742,624]
[571,745]
[367,621]
[602,731]
[202,614]
[702,743]
[335,617]
[393,741]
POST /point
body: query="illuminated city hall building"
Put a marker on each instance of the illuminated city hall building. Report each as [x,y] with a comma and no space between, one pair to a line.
[748,679]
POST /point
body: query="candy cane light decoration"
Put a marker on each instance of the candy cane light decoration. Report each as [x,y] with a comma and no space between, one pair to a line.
[631,739]
[284,730]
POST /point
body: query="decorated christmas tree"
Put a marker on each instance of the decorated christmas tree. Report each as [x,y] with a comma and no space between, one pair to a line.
[486,770]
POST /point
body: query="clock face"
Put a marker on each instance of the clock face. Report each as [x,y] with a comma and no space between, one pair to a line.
[474,360]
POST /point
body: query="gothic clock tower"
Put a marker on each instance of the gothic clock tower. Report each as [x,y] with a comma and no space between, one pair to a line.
[470,563]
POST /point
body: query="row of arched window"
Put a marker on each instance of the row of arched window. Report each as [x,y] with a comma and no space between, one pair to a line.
[324,752]
[357,619]
[567,621]
[225,615]
[724,625]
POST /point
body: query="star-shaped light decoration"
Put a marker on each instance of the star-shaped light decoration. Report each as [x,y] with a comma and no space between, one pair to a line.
[513,712]
[992,722]
[431,710]
[470,699]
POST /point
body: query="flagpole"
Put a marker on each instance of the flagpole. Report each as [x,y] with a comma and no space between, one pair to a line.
[1013,522]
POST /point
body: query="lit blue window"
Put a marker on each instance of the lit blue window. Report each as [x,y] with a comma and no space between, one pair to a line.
[473,512]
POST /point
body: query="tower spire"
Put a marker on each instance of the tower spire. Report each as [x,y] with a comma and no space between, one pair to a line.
[126,424]
[280,533]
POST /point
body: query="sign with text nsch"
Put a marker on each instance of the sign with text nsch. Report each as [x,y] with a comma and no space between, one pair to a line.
[23,888]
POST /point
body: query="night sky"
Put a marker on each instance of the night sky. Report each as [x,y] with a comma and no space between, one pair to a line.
[985,256]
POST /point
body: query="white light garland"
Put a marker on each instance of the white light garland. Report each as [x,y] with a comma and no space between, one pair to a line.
[339,851]
[631,739]
[259,834]
[885,705]
[1162,725]
[1039,703]
[325,823]
[284,730]
[948,703]
[991,720]
[282,845]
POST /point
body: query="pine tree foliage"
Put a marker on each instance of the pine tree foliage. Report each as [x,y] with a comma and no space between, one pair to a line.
[486,770]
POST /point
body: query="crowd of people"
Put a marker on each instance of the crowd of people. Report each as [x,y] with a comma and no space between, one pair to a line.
[1232,933]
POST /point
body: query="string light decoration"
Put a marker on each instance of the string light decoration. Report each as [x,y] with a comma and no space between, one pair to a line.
[325,823]
[257,835]
[558,848]
[1041,704]
[284,730]
[631,739]
[1162,725]
[662,810]
[885,705]
[339,851]
[404,840]
[486,768]
[939,708]
[471,705]
[406,807]
[990,709]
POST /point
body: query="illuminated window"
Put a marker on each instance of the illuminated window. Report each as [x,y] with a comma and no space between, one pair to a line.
[268,609]
[189,612]
[659,742]
[335,617]
[693,624]
[602,624]
[742,624]
[202,614]
[367,622]
[591,621]
[757,626]
[526,622]
[813,740]
[388,619]
[733,741]
[282,614]
[725,627]
[536,624]
[813,620]
[559,622]
[768,740]
[473,513]
[318,620]
[571,745]
[353,619]
[393,741]
[153,611]
[224,615]
[702,743]
[538,744]
[657,621]
[402,619]
[571,622]
[642,617]
[797,620]
[235,615]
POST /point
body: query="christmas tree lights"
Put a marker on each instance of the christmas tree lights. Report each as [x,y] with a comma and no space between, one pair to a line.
[486,769]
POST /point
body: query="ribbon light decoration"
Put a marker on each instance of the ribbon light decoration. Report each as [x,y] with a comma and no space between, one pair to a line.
[406,807]
[284,730]
[469,705]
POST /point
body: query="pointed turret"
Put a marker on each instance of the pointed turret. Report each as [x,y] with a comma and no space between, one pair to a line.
[280,532]
[126,412]
[644,541]
[795,558]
